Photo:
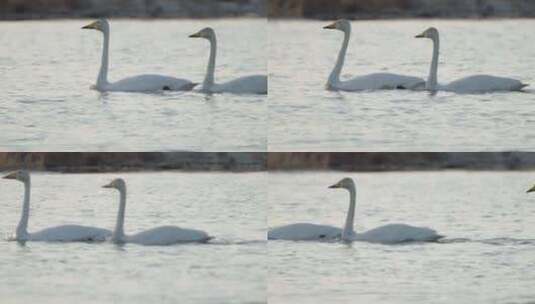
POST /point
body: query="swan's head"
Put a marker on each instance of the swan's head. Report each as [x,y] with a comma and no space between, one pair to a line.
[117,183]
[532,189]
[206,33]
[99,25]
[345,183]
[20,175]
[341,25]
[430,33]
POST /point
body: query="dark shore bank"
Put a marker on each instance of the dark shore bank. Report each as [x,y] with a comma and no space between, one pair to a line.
[47,9]
[259,161]
[392,9]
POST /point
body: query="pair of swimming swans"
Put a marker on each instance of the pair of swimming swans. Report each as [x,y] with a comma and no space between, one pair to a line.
[164,235]
[256,84]
[388,81]
[387,234]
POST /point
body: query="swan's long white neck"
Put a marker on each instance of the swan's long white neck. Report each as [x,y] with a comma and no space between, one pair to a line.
[431,84]
[334,77]
[118,233]
[22,227]
[210,70]
[348,231]
[103,72]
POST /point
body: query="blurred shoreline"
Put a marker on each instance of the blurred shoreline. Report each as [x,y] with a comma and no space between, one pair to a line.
[400,9]
[130,162]
[261,161]
[401,161]
[75,9]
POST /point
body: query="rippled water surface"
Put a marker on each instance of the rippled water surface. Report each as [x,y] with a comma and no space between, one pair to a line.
[47,68]
[230,269]
[304,116]
[487,257]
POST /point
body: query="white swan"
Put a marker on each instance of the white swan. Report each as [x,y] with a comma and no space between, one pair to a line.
[163,235]
[387,234]
[256,84]
[63,233]
[468,85]
[375,81]
[140,83]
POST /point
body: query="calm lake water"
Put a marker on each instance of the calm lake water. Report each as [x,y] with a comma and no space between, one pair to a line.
[306,117]
[230,269]
[47,68]
[488,255]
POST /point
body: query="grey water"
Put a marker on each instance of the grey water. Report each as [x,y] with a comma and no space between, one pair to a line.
[488,254]
[47,68]
[231,268]
[306,117]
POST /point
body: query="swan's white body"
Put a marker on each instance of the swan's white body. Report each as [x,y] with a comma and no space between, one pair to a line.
[64,233]
[145,83]
[483,84]
[140,83]
[164,235]
[475,84]
[304,232]
[255,84]
[387,234]
[376,81]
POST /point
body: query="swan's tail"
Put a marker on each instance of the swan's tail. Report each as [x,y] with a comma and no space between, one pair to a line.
[207,239]
[189,86]
[437,238]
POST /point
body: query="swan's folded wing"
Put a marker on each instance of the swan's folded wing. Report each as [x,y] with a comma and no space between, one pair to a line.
[168,235]
[399,233]
[304,232]
[70,233]
[255,84]
[380,81]
[484,84]
[150,83]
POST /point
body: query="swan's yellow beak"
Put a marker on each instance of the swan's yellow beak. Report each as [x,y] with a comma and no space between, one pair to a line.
[422,35]
[331,26]
[93,25]
[12,175]
[532,189]
[196,35]
[337,185]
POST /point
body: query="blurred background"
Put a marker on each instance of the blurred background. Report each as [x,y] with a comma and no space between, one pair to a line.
[112,162]
[376,9]
[260,161]
[41,9]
